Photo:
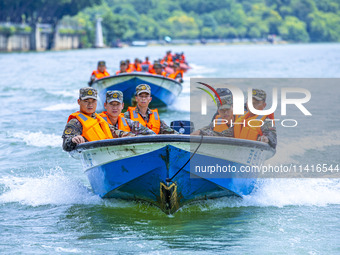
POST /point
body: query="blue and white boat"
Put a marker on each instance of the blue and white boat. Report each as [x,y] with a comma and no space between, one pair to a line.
[164,90]
[155,168]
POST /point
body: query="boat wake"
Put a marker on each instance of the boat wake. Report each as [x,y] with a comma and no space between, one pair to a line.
[39,139]
[279,193]
[200,70]
[53,188]
[66,93]
[60,107]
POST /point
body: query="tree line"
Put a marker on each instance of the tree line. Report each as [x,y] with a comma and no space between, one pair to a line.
[127,20]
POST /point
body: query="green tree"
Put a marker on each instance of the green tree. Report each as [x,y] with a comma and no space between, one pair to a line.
[324,27]
[294,29]
[147,28]
[226,32]
[183,26]
[302,8]
[41,10]
[114,27]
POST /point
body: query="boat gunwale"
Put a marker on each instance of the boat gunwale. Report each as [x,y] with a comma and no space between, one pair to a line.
[173,139]
[138,74]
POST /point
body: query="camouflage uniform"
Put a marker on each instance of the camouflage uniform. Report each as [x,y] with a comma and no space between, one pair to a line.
[164,128]
[267,128]
[227,102]
[74,127]
[135,126]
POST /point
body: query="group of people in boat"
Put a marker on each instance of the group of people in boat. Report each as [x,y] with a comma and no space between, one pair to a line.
[248,126]
[168,66]
[86,125]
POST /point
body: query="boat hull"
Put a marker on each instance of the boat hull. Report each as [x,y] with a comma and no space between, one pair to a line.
[164,90]
[140,169]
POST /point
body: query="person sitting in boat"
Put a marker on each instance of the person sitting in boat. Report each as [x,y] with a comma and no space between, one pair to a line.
[130,66]
[123,68]
[177,74]
[262,127]
[113,115]
[85,125]
[220,126]
[158,69]
[147,117]
[168,57]
[222,92]
[99,73]
[146,65]
[265,133]
[137,65]
[182,58]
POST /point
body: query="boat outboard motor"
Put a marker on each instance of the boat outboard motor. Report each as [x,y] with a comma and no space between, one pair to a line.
[182,126]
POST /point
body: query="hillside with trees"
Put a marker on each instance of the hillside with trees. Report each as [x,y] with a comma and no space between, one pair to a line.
[127,20]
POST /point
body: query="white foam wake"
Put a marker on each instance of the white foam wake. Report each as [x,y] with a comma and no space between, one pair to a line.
[51,188]
[60,107]
[66,93]
[181,104]
[283,192]
[199,70]
[39,139]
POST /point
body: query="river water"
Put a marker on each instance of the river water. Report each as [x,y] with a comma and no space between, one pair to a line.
[46,203]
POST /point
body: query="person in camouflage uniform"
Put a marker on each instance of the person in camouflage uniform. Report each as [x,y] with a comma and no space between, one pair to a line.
[225,110]
[268,130]
[73,131]
[114,106]
[144,114]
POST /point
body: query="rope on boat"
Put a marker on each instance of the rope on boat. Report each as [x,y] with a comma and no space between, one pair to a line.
[170,179]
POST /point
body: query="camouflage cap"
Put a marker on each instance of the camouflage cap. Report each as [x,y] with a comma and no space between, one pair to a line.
[227,102]
[123,62]
[157,65]
[101,63]
[259,94]
[114,95]
[87,92]
[143,88]
[223,92]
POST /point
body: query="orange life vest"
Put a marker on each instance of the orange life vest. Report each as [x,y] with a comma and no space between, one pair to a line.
[122,123]
[162,74]
[119,72]
[243,130]
[154,122]
[100,75]
[131,67]
[93,129]
[146,63]
[168,58]
[174,75]
[220,124]
[138,67]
